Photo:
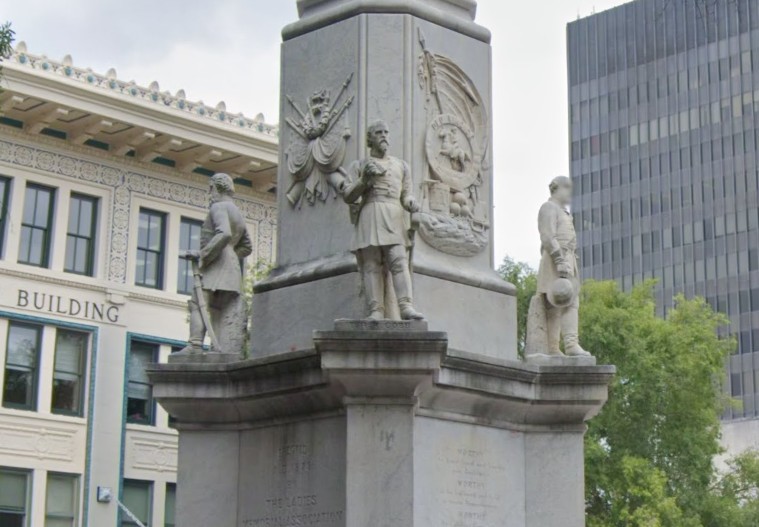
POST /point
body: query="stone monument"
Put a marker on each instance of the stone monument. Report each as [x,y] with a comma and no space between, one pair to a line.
[342,415]
[423,67]
[381,196]
[553,311]
[217,307]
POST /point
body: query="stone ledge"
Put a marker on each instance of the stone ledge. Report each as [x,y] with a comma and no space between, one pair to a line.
[390,326]
[206,357]
[543,359]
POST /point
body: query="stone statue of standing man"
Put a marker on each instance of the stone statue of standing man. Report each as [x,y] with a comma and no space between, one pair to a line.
[554,310]
[381,198]
[217,307]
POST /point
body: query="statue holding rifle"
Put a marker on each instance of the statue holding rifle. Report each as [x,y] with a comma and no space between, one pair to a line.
[217,307]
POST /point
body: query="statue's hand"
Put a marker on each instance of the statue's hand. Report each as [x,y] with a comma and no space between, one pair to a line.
[371,171]
[411,205]
[564,270]
[192,256]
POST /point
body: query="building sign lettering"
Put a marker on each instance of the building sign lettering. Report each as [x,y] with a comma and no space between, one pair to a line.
[61,305]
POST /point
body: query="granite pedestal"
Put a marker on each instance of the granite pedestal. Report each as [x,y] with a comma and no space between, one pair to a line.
[380,424]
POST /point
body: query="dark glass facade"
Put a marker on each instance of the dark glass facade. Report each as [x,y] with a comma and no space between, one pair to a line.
[664,119]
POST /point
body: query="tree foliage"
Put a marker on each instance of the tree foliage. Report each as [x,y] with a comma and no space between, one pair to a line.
[525,279]
[649,454]
[6,40]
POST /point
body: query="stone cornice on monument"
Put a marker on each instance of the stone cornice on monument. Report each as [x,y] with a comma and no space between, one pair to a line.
[457,15]
[102,112]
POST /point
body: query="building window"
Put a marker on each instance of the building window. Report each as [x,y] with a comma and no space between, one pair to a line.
[80,238]
[68,373]
[150,249]
[136,498]
[171,505]
[14,504]
[21,366]
[62,501]
[140,404]
[5,187]
[36,226]
[189,240]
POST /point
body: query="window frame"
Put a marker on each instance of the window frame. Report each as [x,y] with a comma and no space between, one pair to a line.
[27,491]
[92,239]
[76,481]
[33,405]
[161,253]
[171,489]
[149,486]
[151,402]
[5,197]
[82,374]
[47,230]
[184,266]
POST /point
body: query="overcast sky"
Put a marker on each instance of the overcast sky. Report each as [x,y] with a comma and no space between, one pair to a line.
[229,50]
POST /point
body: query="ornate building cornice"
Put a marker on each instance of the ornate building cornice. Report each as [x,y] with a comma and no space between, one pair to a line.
[130,90]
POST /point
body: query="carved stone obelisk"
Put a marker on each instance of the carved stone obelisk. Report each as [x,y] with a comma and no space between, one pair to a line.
[345,413]
[424,68]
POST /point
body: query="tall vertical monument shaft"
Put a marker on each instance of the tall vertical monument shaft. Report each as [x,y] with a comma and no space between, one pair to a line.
[424,67]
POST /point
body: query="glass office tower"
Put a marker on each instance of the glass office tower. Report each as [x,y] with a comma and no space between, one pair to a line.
[664,108]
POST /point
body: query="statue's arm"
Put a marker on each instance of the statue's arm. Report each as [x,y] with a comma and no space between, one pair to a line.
[222,234]
[357,185]
[547,228]
[244,247]
[407,194]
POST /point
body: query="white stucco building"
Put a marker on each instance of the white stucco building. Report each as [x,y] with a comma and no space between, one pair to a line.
[102,184]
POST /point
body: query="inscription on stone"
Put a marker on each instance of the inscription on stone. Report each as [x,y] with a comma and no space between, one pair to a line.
[300,503]
[380,325]
[471,495]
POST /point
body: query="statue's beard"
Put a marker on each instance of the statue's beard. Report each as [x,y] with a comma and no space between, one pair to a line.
[382,147]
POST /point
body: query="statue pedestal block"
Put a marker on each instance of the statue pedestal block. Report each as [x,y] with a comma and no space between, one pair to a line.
[380,427]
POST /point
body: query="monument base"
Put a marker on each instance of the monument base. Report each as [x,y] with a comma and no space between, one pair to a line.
[380,427]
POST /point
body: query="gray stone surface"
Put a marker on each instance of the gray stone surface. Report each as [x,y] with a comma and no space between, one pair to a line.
[294,474]
[217,307]
[380,325]
[473,477]
[554,479]
[449,306]
[208,469]
[545,359]
[378,191]
[203,357]
[457,15]
[554,311]
[381,427]
[379,44]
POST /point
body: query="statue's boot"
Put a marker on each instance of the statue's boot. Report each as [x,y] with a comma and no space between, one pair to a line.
[402,284]
[569,328]
[553,330]
[374,288]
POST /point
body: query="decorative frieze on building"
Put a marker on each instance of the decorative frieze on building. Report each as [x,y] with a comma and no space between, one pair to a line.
[125,183]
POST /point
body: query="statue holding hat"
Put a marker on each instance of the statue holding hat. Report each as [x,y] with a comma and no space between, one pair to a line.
[553,312]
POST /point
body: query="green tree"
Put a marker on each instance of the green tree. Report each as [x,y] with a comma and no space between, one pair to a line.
[526,281]
[6,40]
[649,454]
[255,273]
